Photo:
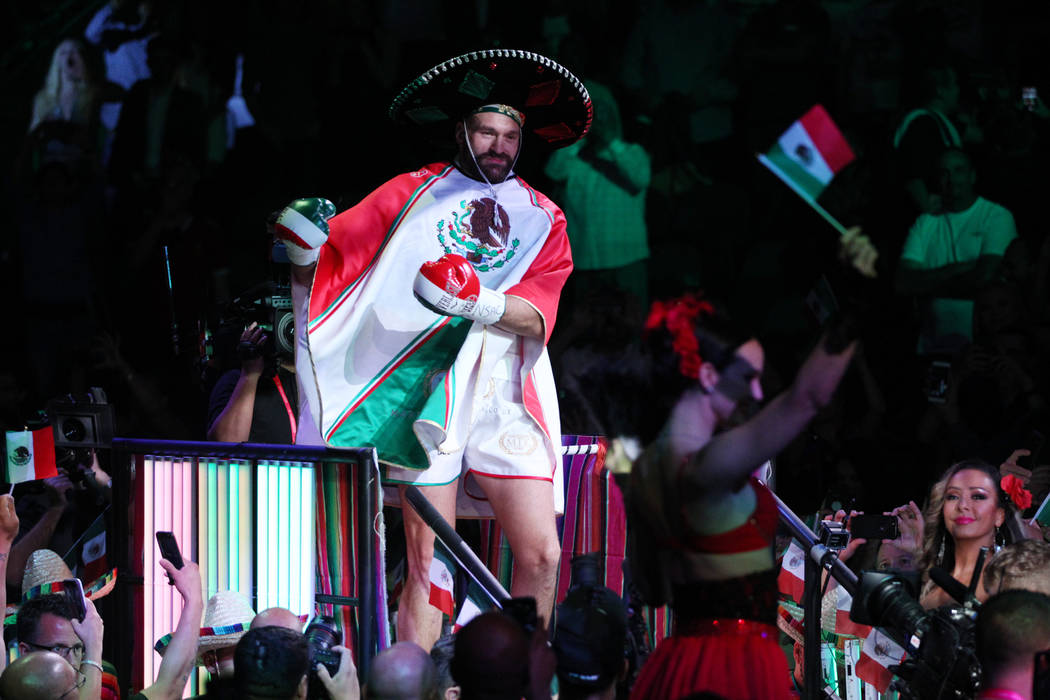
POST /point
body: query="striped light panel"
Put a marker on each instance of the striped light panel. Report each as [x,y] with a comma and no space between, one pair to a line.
[257,540]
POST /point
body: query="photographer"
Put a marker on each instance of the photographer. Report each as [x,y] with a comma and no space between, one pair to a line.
[273,663]
[259,402]
[56,511]
[590,640]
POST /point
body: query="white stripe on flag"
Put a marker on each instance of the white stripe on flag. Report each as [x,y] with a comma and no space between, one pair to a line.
[799,147]
[792,578]
[19,457]
[467,612]
[843,623]
[441,587]
[877,655]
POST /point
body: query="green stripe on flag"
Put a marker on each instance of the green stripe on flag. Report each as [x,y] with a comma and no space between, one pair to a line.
[384,419]
[794,175]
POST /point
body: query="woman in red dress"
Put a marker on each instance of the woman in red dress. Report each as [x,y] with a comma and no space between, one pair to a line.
[701,526]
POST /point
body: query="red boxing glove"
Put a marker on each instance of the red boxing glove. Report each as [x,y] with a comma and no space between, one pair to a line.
[450,287]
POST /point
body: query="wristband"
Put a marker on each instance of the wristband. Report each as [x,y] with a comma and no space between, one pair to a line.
[96,664]
[489,308]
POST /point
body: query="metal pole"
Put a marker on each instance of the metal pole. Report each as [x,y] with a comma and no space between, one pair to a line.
[365,566]
[812,682]
[463,554]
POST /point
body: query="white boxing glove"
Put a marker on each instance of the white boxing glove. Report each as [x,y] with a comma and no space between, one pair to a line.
[450,287]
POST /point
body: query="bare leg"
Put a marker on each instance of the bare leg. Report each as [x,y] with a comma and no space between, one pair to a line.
[525,510]
[417,620]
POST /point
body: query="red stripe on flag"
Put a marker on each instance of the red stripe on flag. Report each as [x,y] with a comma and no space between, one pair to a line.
[442,599]
[871,671]
[827,137]
[44,453]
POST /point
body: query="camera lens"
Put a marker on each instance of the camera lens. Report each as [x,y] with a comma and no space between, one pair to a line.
[322,634]
[73,429]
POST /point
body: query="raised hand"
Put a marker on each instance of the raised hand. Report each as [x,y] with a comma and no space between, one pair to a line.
[857,250]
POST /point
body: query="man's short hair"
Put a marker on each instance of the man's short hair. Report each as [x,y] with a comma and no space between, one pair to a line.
[1024,565]
[1011,627]
[269,662]
[490,660]
[33,609]
[590,639]
[441,655]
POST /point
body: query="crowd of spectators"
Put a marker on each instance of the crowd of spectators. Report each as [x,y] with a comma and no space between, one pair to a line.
[150,140]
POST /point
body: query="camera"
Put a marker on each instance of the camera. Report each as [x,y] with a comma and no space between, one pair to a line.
[321,635]
[833,535]
[81,423]
[270,306]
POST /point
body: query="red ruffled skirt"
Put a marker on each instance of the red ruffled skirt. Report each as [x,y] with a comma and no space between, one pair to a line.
[737,659]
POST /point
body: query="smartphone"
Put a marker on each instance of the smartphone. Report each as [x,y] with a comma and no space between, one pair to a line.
[169,548]
[1029,96]
[74,591]
[935,384]
[874,527]
[523,610]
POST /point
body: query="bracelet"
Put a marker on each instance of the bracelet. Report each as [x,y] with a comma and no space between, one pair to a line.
[96,664]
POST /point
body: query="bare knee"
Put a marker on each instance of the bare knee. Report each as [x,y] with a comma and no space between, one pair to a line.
[540,556]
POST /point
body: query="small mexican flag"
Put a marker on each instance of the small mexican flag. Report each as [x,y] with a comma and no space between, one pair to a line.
[791,581]
[441,582]
[809,154]
[877,655]
[30,455]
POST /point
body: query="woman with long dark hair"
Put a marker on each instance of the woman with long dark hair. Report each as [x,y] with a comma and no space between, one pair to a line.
[701,526]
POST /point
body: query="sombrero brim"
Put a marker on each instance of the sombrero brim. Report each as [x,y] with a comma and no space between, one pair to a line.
[555,103]
[99,588]
[210,638]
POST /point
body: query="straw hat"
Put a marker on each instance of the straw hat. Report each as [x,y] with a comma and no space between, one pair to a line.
[226,619]
[44,568]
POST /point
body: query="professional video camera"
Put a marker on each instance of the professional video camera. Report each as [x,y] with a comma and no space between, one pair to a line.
[270,306]
[946,664]
[82,422]
[942,661]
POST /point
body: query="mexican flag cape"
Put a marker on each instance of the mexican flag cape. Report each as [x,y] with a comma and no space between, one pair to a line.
[377,368]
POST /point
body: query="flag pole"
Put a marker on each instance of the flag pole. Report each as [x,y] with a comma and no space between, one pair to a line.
[802,193]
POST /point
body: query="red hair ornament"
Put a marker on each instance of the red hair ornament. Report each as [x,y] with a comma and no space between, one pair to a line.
[678,316]
[1014,488]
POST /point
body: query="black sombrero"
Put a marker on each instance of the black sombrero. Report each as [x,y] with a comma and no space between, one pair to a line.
[555,103]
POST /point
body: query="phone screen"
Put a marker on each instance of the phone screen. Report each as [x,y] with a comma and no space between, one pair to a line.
[74,591]
[169,548]
[874,527]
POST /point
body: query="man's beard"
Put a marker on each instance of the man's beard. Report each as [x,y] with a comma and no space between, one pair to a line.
[495,170]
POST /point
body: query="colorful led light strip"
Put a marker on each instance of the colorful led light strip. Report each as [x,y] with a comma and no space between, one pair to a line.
[266,555]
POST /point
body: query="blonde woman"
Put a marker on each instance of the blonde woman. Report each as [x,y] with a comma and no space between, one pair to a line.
[71,90]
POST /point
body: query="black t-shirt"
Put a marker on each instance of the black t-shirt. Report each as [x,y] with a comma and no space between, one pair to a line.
[270,420]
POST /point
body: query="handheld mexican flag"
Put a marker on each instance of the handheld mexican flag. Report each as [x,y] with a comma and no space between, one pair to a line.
[808,155]
[30,455]
[442,581]
[791,581]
